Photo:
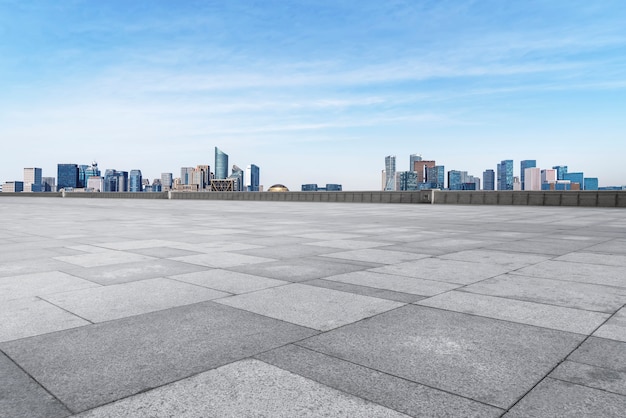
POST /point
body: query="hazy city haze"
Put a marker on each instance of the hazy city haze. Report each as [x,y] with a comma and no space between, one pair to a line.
[313,91]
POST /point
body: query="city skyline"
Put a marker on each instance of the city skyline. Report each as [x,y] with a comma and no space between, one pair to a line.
[294,87]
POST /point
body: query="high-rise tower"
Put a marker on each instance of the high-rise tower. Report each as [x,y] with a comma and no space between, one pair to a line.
[221,164]
[390,172]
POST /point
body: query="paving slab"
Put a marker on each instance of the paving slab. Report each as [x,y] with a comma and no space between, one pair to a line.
[537,314]
[229,281]
[163,252]
[592,376]
[104,258]
[576,272]
[365,290]
[535,246]
[90,366]
[288,251]
[394,282]
[248,388]
[373,255]
[119,301]
[348,244]
[399,394]
[22,397]
[555,398]
[511,260]
[26,317]
[595,258]
[590,297]
[221,259]
[487,360]
[601,352]
[302,269]
[614,328]
[39,284]
[310,306]
[449,271]
[22,267]
[615,247]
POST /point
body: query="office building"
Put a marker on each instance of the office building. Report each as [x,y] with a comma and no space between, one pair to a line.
[136,181]
[252,178]
[390,173]
[186,174]
[421,168]
[407,180]
[237,176]
[221,164]
[32,180]
[48,184]
[532,179]
[456,179]
[436,176]
[505,175]
[523,166]
[67,176]
[590,183]
[489,180]
[412,159]
[578,178]
[115,181]
[561,171]
[95,184]
[203,175]
[157,186]
[166,181]
[13,187]
[330,187]
[548,176]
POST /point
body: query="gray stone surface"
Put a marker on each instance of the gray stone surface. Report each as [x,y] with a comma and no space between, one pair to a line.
[505,280]
[310,306]
[248,388]
[119,301]
[229,281]
[26,317]
[555,292]
[390,391]
[22,397]
[614,328]
[394,282]
[541,315]
[555,398]
[483,359]
[89,366]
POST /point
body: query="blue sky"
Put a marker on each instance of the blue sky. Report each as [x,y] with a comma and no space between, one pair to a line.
[313,91]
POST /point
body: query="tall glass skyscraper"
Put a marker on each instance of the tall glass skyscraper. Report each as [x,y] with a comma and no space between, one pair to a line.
[435,177]
[561,171]
[412,159]
[136,181]
[67,176]
[221,164]
[505,175]
[523,166]
[166,181]
[408,180]
[252,179]
[390,172]
[489,180]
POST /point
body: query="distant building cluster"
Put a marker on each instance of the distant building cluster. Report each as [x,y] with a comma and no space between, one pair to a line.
[426,174]
[88,178]
[315,188]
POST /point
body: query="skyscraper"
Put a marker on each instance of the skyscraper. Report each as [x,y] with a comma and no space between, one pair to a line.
[532,179]
[166,181]
[237,175]
[561,171]
[185,175]
[32,180]
[136,181]
[67,176]
[221,164]
[412,159]
[390,172]
[407,180]
[523,166]
[489,180]
[252,178]
[421,167]
[435,177]
[505,175]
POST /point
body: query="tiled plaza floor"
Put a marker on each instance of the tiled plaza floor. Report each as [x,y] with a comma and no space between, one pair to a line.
[141,308]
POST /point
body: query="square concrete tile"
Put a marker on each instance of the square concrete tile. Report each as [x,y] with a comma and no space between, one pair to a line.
[21,396]
[399,394]
[39,284]
[365,290]
[288,251]
[393,282]
[591,376]
[510,260]
[310,306]
[164,252]
[449,271]
[103,258]
[220,259]
[23,267]
[555,398]
[302,269]
[106,303]
[124,273]
[614,247]
[90,366]
[576,272]
[372,255]
[328,236]
[595,258]
[348,244]
[487,360]
[26,317]
[547,316]
[135,244]
[247,388]
[614,328]
[601,352]
[590,297]
[229,281]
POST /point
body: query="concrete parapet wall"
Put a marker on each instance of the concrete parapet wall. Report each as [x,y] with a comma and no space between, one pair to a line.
[607,199]
[31,194]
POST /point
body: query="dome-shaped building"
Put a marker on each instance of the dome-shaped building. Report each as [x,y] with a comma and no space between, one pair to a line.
[278,188]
